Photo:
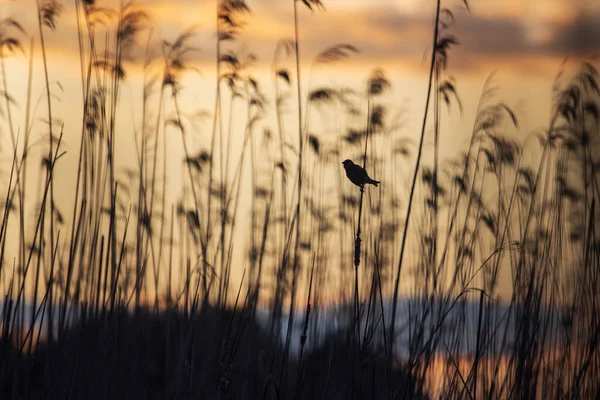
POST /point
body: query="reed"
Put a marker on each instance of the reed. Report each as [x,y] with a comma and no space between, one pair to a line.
[134,294]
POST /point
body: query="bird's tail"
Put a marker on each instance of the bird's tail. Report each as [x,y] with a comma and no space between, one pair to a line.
[374,182]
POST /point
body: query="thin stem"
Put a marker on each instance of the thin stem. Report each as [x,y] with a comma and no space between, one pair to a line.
[414,182]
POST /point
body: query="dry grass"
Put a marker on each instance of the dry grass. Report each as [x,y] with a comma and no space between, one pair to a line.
[130,296]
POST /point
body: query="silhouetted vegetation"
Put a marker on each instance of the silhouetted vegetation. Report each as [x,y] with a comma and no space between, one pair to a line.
[327,290]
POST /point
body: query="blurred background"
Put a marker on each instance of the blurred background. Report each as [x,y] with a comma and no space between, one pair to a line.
[172,185]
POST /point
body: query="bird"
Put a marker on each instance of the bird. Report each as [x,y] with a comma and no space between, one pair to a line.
[357,174]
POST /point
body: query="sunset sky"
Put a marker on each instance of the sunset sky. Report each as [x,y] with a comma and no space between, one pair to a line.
[523,42]
[501,33]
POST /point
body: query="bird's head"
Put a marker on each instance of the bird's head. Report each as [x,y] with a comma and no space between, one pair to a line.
[347,163]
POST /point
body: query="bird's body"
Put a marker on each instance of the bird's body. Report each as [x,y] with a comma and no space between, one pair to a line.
[357,174]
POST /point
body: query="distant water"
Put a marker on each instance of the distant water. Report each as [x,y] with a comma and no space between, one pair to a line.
[439,321]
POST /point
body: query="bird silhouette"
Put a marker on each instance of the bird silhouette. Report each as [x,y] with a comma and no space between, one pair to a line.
[357,174]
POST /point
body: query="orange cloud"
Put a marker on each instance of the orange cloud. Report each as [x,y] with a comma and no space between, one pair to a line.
[512,34]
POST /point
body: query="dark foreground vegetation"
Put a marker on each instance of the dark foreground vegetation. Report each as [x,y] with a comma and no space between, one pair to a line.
[209,353]
[472,275]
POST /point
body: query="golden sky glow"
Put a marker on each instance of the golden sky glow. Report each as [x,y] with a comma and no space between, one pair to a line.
[523,41]
[386,31]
